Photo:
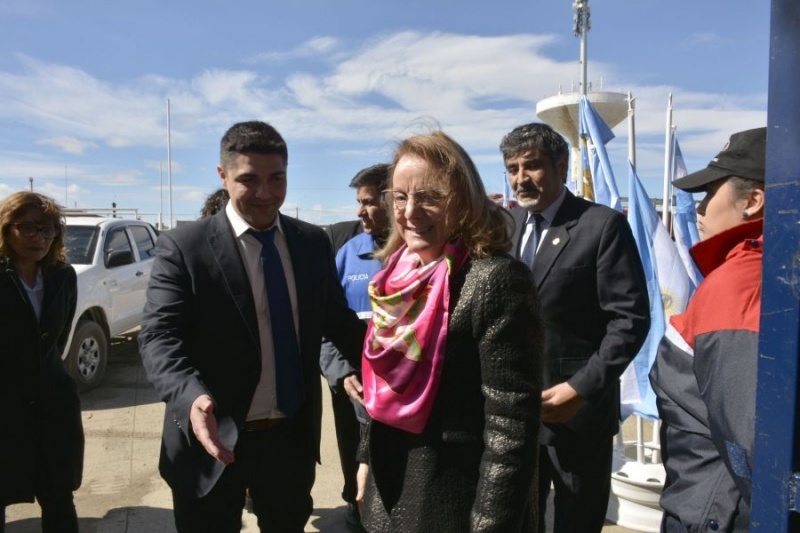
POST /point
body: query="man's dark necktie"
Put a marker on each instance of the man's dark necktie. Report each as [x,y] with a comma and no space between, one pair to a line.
[288,366]
[529,252]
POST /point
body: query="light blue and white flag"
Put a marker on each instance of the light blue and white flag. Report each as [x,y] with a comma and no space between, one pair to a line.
[506,191]
[594,127]
[668,287]
[684,222]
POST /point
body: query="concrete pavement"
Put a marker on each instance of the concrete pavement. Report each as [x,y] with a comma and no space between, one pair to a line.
[122,491]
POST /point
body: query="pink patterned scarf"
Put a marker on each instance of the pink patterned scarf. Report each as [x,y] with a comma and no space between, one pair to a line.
[407,336]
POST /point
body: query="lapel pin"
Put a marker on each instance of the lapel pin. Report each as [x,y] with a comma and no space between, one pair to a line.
[556,241]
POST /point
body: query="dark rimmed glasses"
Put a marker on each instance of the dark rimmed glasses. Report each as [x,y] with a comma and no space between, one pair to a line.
[422,198]
[28,229]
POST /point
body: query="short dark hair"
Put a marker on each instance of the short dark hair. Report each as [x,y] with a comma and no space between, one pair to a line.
[531,136]
[254,136]
[214,203]
[375,176]
[742,187]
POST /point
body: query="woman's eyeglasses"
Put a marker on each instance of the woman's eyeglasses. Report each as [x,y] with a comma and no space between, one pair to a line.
[28,229]
[422,198]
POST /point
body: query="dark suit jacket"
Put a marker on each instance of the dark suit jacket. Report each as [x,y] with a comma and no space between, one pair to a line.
[594,300]
[200,336]
[40,400]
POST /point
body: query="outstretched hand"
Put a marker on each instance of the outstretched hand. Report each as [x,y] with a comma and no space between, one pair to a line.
[204,426]
[560,403]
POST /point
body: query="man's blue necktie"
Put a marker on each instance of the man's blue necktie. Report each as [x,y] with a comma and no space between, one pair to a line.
[288,366]
[529,252]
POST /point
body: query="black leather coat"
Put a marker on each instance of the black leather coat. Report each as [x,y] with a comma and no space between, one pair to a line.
[41,408]
[473,468]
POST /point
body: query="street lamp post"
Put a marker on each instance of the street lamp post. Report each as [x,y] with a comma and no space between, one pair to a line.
[31,180]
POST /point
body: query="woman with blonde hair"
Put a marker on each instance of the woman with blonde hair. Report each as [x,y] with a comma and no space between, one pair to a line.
[41,445]
[452,358]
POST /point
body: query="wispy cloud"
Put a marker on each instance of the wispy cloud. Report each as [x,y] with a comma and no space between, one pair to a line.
[316,48]
[351,106]
[68,145]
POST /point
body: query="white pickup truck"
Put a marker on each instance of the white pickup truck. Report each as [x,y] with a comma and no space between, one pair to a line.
[112,257]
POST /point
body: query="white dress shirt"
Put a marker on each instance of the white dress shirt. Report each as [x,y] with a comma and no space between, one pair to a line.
[265,401]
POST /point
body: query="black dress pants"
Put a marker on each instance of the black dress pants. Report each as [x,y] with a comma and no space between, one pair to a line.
[57,503]
[348,435]
[580,471]
[278,466]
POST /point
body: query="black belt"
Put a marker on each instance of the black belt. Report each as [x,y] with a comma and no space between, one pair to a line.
[262,424]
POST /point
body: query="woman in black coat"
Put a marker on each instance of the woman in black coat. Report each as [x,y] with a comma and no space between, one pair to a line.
[41,443]
[452,360]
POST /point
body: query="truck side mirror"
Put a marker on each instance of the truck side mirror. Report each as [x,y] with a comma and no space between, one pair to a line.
[115,258]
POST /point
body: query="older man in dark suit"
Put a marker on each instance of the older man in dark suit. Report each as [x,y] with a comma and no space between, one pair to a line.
[596,311]
[236,309]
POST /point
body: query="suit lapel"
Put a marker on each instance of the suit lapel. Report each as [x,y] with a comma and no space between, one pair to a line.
[554,242]
[225,251]
[299,252]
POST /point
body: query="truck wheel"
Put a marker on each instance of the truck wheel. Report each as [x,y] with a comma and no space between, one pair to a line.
[88,355]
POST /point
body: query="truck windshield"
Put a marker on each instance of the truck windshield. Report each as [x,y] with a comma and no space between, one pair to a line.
[81,242]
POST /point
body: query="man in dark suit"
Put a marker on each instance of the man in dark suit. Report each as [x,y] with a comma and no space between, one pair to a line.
[236,309]
[594,300]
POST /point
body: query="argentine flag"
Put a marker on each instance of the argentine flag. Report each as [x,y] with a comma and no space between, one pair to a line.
[684,221]
[668,287]
[595,129]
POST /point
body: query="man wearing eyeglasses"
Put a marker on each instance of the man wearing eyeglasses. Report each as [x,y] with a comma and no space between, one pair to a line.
[594,300]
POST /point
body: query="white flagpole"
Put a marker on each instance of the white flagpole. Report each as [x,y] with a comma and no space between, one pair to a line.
[631,134]
[169,163]
[632,158]
[667,163]
[582,25]
[673,141]
[160,196]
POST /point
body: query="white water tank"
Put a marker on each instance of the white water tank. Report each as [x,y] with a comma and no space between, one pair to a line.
[561,112]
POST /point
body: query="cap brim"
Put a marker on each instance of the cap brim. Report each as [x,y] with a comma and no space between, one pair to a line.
[697,181]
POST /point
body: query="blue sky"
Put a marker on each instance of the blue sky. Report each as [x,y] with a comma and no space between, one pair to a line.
[84,85]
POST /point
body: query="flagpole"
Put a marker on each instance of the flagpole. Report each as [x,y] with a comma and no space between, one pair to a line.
[667,160]
[169,163]
[632,158]
[581,29]
[631,134]
[673,139]
[160,196]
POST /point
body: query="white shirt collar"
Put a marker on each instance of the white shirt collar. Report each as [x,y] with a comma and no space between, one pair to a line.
[239,225]
[549,213]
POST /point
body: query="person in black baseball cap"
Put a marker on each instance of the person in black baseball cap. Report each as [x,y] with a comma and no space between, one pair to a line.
[743,156]
[704,375]
[733,182]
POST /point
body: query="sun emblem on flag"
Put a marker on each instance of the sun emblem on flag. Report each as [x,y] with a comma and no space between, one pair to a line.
[672,302]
